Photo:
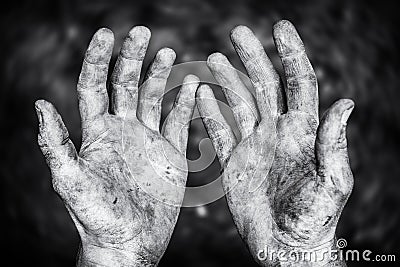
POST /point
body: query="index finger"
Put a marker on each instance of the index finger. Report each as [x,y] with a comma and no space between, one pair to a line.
[92,90]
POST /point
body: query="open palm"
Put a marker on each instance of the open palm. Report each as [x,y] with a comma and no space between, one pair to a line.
[125,187]
[289,177]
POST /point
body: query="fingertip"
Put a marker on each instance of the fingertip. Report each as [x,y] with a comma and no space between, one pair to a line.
[240,32]
[216,57]
[190,79]
[334,120]
[166,55]
[187,93]
[100,47]
[246,43]
[49,120]
[162,64]
[39,103]
[217,61]
[189,86]
[286,38]
[38,107]
[140,33]
[204,91]
[345,103]
[105,33]
[340,106]
[344,109]
[44,106]
[281,25]
[136,42]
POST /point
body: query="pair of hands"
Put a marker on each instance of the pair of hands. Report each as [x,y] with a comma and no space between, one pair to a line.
[287,180]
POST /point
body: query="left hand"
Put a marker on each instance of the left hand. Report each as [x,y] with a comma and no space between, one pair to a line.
[289,177]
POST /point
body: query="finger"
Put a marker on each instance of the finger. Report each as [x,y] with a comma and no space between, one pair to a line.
[265,79]
[152,90]
[126,74]
[177,123]
[331,145]
[92,91]
[238,96]
[302,88]
[218,129]
[53,137]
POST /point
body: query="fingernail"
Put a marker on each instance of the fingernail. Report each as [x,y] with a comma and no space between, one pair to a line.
[346,114]
[39,113]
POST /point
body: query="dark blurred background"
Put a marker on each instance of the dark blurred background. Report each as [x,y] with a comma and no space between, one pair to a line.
[352,45]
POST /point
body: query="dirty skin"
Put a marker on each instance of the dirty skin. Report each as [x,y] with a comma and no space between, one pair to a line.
[288,176]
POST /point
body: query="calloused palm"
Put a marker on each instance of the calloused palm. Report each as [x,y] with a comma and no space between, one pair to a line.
[125,186]
[289,177]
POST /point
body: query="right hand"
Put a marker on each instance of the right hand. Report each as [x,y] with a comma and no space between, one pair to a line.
[116,188]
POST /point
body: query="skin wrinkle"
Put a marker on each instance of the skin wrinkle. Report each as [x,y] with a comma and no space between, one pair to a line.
[262,74]
[178,121]
[126,74]
[92,79]
[152,90]
[302,88]
[118,191]
[296,207]
[299,216]
[238,97]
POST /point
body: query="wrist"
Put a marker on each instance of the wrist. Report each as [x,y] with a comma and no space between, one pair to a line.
[111,256]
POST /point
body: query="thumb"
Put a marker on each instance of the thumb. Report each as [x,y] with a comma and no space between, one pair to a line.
[53,137]
[331,146]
